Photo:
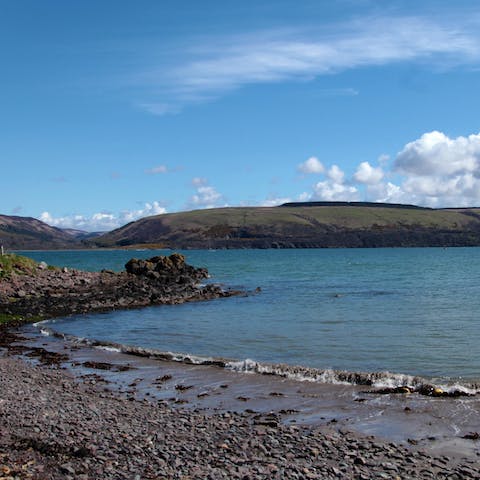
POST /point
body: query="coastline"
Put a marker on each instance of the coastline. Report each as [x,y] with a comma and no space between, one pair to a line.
[96,413]
[367,436]
[94,421]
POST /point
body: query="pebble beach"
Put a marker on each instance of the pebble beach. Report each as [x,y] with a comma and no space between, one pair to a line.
[54,427]
[57,423]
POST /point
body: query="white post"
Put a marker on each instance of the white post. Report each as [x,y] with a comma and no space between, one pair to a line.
[1,248]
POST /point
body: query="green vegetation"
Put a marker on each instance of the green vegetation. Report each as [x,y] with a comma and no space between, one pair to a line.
[11,263]
[302,226]
[7,318]
[4,318]
[346,217]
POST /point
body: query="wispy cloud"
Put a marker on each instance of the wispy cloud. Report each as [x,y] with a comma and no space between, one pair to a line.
[156,170]
[161,169]
[215,67]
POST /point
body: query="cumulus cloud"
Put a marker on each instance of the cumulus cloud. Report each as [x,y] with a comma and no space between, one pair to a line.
[367,174]
[215,66]
[311,165]
[102,221]
[441,171]
[333,188]
[436,154]
[206,196]
[330,191]
[433,170]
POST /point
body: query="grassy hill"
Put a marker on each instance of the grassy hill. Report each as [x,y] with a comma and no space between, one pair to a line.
[18,233]
[302,225]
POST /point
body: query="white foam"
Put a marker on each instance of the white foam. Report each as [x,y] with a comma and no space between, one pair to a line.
[45,331]
[297,373]
[108,348]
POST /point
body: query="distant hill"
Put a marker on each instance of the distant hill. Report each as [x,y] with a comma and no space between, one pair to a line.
[302,225]
[17,233]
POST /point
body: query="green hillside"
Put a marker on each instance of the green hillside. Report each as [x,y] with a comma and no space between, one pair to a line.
[302,225]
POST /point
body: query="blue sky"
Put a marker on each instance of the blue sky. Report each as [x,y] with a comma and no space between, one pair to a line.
[114,110]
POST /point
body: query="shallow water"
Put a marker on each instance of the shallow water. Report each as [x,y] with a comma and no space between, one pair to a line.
[410,311]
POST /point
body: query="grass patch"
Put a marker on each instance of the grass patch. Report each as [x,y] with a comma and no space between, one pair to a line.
[4,318]
[11,263]
[7,318]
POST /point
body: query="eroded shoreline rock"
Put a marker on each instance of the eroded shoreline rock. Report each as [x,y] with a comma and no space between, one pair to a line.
[56,292]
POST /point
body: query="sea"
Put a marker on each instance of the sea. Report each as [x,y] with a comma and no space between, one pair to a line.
[401,311]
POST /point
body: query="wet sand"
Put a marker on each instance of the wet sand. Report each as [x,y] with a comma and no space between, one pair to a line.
[435,425]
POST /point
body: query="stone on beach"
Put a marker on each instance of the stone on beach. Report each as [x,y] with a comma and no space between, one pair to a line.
[63,429]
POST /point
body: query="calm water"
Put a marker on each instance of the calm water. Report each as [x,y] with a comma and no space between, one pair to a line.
[412,311]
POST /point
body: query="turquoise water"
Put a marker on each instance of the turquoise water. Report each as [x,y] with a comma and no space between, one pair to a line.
[413,311]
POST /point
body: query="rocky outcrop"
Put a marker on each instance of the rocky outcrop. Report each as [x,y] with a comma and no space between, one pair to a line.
[50,292]
[172,269]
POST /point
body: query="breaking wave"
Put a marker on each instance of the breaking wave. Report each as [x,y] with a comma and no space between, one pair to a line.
[379,380]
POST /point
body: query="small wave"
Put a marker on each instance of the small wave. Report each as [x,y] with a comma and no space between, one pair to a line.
[108,348]
[378,380]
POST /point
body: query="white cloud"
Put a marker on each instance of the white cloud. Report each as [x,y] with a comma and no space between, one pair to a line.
[304,197]
[102,221]
[436,154]
[387,193]
[148,210]
[441,171]
[199,181]
[383,159]
[206,196]
[330,191]
[334,188]
[273,202]
[223,64]
[311,165]
[367,174]
[156,170]
[433,170]
[335,174]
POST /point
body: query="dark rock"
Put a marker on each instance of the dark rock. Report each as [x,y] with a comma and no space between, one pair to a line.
[155,281]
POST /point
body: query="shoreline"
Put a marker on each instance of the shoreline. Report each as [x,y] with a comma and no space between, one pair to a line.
[93,413]
[91,421]
[36,290]
[380,382]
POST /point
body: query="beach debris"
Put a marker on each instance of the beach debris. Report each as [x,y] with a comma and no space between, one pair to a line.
[472,436]
[267,420]
[288,411]
[425,389]
[162,379]
[183,388]
[106,366]
[243,399]
[45,357]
